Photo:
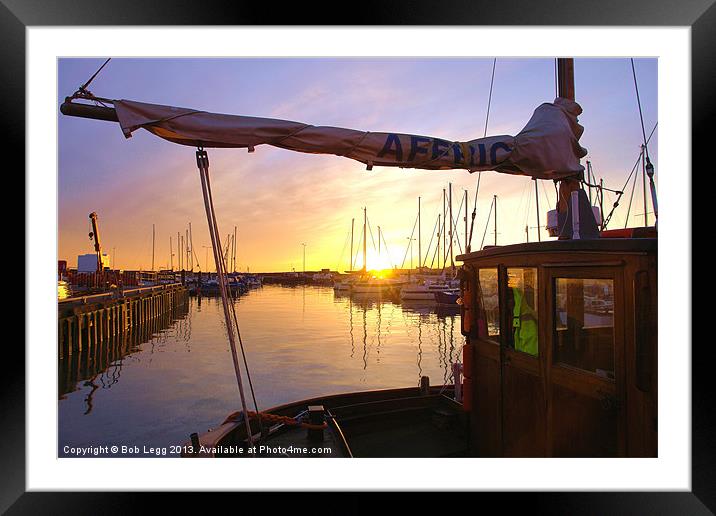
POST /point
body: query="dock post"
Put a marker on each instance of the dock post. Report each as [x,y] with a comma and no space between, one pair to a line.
[60,337]
[424,386]
[79,332]
[69,333]
[95,329]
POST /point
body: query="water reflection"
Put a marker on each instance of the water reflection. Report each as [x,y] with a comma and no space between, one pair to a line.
[99,364]
[156,385]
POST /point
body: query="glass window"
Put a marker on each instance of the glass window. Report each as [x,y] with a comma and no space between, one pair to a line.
[522,310]
[584,324]
[488,313]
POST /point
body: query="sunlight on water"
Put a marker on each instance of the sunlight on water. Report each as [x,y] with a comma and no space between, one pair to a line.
[300,342]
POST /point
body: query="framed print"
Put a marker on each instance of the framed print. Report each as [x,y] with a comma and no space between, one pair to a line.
[430,245]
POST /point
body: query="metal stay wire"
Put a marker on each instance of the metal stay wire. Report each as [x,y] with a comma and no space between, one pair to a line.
[226,288]
[202,161]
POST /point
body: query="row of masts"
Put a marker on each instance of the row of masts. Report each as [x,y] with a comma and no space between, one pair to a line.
[446,233]
[186,255]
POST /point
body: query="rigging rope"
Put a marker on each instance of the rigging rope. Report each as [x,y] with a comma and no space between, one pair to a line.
[382,235]
[641,115]
[202,161]
[626,183]
[468,244]
[427,252]
[631,197]
[487,224]
[410,240]
[355,260]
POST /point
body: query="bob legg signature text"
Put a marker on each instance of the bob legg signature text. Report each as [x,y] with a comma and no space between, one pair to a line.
[86,451]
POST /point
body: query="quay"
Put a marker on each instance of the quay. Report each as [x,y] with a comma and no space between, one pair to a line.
[86,321]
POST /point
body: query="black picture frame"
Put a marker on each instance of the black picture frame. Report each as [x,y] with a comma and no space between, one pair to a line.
[700,15]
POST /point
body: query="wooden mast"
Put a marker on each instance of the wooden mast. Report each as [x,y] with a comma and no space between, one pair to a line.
[353,221]
[565,89]
[420,252]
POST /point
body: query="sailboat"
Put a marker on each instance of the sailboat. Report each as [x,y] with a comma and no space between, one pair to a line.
[542,374]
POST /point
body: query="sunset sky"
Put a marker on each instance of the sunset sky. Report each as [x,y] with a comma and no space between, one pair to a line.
[279,199]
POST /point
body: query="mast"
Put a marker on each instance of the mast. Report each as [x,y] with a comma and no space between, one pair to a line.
[178,251]
[466,221]
[495,201]
[452,263]
[539,236]
[192,253]
[444,217]
[601,202]
[643,185]
[353,222]
[420,249]
[233,258]
[565,89]
[365,248]
[439,241]
[171,255]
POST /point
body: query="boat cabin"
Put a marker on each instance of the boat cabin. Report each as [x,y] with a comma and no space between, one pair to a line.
[560,358]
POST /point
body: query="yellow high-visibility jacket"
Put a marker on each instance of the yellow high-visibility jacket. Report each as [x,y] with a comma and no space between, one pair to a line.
[524,324]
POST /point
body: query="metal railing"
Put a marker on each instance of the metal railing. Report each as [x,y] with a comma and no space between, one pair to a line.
[118,294]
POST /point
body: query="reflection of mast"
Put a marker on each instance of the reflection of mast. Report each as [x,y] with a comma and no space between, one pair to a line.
[365,339]
[379,321]
[350,308]
[420,348]
[90,396]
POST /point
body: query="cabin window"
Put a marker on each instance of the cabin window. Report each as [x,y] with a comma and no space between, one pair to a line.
[488,314]
[522,319]
[584,324]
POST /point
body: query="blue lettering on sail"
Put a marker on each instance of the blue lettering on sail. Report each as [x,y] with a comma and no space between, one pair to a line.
[439,147]
[457,151]
[493,151]
[415,141]
[483,154]
[391,140]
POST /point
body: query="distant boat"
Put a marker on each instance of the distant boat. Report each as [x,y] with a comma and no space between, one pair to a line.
[377,286]
[344,284]
[447,297]
[426,291]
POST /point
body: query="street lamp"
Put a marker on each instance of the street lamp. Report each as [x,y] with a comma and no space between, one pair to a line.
[304,258]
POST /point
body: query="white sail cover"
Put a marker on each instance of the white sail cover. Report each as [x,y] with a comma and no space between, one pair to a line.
[547,148]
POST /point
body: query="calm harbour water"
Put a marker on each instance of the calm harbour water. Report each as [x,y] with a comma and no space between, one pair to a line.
[300,342]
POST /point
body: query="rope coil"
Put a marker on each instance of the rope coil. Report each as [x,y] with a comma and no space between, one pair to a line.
[237,417]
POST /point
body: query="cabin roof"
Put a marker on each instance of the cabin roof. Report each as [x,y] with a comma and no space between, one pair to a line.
[600,245]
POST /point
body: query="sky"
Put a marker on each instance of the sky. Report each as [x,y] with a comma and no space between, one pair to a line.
[279,200]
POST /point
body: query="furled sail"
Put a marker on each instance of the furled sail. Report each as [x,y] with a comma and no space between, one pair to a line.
[547,148]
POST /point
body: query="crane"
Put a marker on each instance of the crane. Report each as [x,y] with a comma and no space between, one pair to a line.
[95,234]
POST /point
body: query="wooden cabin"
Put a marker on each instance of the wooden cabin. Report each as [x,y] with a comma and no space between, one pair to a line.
[560,358]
